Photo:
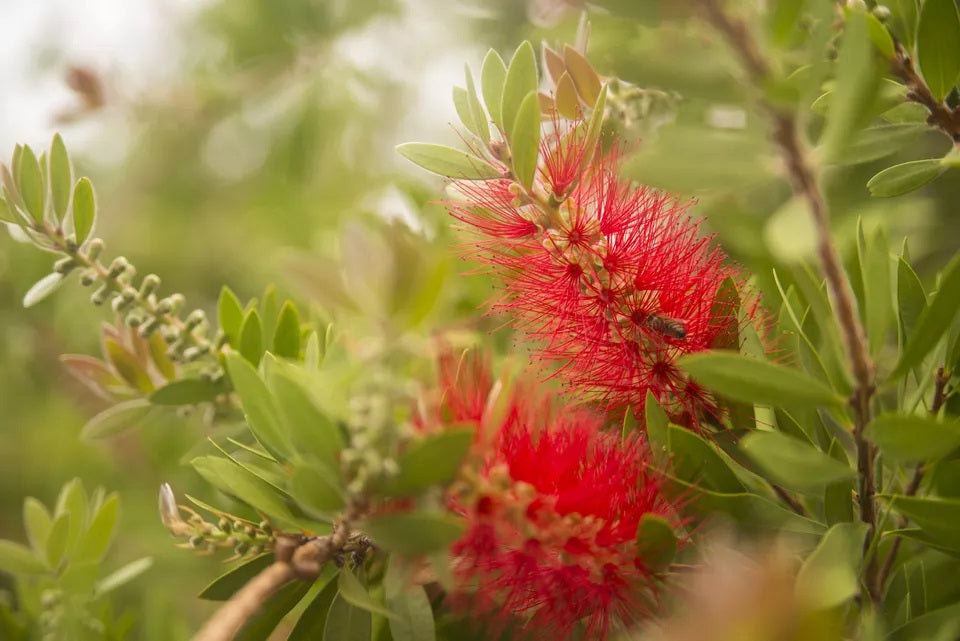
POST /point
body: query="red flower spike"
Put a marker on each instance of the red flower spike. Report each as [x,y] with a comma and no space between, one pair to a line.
[614,279]
[552,515]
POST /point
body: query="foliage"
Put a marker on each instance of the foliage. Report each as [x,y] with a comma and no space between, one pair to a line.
[815,404]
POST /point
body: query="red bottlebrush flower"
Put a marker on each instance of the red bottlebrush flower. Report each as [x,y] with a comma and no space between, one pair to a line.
[552,513]
[615,279]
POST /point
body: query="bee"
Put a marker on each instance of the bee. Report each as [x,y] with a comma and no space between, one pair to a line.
[669,327]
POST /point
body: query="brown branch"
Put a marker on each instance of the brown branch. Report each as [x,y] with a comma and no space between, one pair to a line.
[941,115]
[793,503]
[806,185]
[295,559]
[939,397]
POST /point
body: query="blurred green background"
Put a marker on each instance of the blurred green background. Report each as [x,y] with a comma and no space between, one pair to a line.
[236,152]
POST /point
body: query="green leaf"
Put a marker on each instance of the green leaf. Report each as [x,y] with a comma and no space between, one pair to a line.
[317,489]
[116,419]
[186,391]
[311,432]
[7,213]
[311,623]
[286,339]
[939,517]
[874,257]
[594,127]
[30,184]
[93,543]
[268,316]
[903,21]
[658,427]
[230,315]
[73,500]
[431,460]
[749,380]
[158,354]
[905,177]
[227,476]
[880,37]
[933,321]
[127,365]
[409,601]
[877,142]
[911,299]
[251,337]
[793,463]
[521,80]
[61,177]
[84,209]
[225,585]
[938,625]
[857,83]
[270,613]
[913,438]
[353,592]
[124,575]
[829,576]
[492,75]
[58,540]
[477,115]
[37,522]
[525,140]
[346,622]
[656,542]
[461,102]
[258,406]
[19,559]
[782,20]
[695,460]
[585,79]
[938,45]
[412,533]
[753,512]
[42,288]
[447,161]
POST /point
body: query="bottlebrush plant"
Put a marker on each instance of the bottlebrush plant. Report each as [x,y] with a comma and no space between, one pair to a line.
[422,486]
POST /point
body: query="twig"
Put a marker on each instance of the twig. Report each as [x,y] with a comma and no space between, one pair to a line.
[939,396]
[228,620]
[941,115]
[805,183]
[793,503]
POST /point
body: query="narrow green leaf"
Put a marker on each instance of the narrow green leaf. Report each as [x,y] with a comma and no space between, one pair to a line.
[857,82]
[874,257]
[58,540]
[270,613]
[245,486]
[409,601]
[317,489]
[432,460]
[73,500]
[158,354]
[412,533]
[19,559]
[311,432]
[477,115]
[933,321]
[829,576]
[656,542]
[186,391]
[521,80]
[116,419]
[903,21]
[251,337]
[269,311]
[7,213]
[353,592]
[127,365]
[61,177]
[42,288]
[749,380]
[938,45]
[492,75]
[461,102]
[37,522]
[286,339]
[585,79]
[877,142]
[258,406]
[594,127]
[227,584]
[346,622]
[525,140]
[311,623]
[905,177]
[793,463]
[913,438]
[84,209]
[124,575]
[30,184]
[880,37]
[658,428]
[447,161]
[911,299]
[782,20]
[939,517]
[93,542]
[230,315]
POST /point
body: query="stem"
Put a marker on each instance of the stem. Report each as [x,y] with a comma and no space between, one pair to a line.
[805,184]
[941,116]
[228,620]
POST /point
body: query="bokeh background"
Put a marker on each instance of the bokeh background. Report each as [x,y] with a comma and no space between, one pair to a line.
[243,141]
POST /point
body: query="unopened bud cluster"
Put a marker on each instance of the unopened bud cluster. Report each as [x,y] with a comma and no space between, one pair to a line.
[375,434]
